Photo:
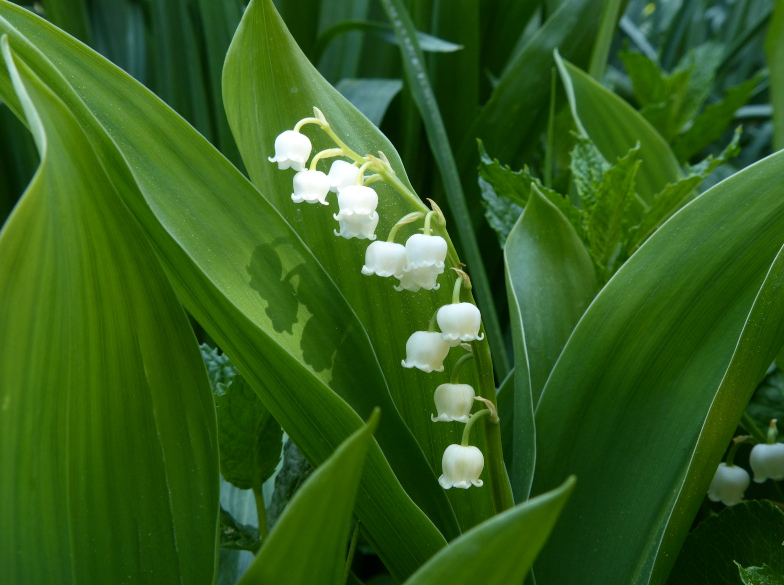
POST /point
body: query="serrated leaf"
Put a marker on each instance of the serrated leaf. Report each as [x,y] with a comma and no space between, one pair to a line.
[220,370]
[501,212]
[292,475]
[250,439]
[713,121]
[763,575]
[768,400]
[236,536]
[750,533]
[588,167]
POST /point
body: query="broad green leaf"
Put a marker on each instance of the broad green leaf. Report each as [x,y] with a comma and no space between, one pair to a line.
[107,427]
[774,49]
[650,386]
[237,536]
[763,575]
[414,66]
[308,544]
[263,66]
[615,127]
[500,551]
[768,400]
[750,534]
[551,282]
[250,439]
[370,96]
[292,475]
[228,258]
[713,121]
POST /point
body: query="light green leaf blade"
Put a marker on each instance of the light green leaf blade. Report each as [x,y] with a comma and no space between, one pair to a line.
[551,282]
[250,439]
[308,544]
[101,380]
[615,127]
[500,551]
[263,66]
[228,263]
[650,386]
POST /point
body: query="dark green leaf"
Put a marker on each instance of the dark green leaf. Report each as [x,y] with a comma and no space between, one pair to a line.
[236,536]
[370,96]
[750,533]
[250,439]
[763,575]
[774,49]
[501,212]
[291,476]
[71,16]
[220,370]
[768,400]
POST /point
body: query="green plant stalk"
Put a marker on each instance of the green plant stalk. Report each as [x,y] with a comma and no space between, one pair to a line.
[422,92]
[261,513]
[548,153]
[752,428]
[351,550]
[498,480]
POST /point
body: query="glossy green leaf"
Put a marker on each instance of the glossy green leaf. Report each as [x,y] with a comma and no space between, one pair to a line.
[484,554]
[107,427]
[774,48]
[650,386]
[263,67]
[370,96]
[615,127]
[551,282]
[297,343]
[414,66]
[750,534]
[308,544]
[763,575]
[250,439]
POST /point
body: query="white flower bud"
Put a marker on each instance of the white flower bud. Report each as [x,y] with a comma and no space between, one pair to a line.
[384,259]
[357,215]
[453,402]
[292,149]
[311,187]
[462,467]
[342,174]
[425,257]
[459,322]
[426,350]
[728,484]
[767,462]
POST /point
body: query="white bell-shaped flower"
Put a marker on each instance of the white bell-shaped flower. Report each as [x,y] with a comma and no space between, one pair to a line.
[462,467]
[728,485]
[311,187]
[384,259]
[426,350]
[357,214]
[418,278]
[767,462]
[425,257]
[453,402]
[342,174]
[459,322]
[292,149]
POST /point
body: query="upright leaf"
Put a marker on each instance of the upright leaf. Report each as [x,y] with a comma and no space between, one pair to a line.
[650,386]
[107,427]
[774,48]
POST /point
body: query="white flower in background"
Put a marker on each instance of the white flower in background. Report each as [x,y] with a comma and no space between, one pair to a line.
[767,462]
[425,257]
[342,174]
[426,351]
[459,322]
[357,214]
[292,149]
[384,259]
[728,485]
[461,467]
[311,187]
[453,402]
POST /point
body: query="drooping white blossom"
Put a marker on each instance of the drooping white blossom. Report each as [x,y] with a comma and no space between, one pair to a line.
[459,322]
[453,402]
[461,467]
[384,259]
[357,214]
[342,174]
[728,485]
[292,149]
[767,462]
[426,351]
[311,187]
[425,257]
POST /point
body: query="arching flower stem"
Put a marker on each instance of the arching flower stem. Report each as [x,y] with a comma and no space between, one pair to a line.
[773,432]
[328,153]
[458,365]
[372,179]
[736,442]
[403,221]
[467,430]
[432,326]
[361,173]
[456,291]
[428,218]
